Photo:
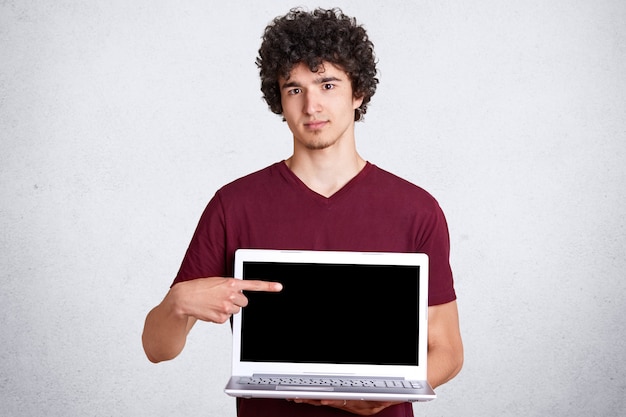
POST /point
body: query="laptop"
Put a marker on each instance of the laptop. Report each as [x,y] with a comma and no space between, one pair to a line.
[346,326]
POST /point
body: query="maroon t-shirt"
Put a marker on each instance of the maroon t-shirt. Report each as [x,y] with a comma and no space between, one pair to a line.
[272,209]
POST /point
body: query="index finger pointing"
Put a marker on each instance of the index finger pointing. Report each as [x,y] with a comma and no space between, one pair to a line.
[255,285]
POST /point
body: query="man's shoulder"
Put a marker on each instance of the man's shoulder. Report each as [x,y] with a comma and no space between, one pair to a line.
[395,182]
[254,180]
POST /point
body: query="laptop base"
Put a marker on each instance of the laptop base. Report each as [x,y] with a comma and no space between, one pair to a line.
[335,388]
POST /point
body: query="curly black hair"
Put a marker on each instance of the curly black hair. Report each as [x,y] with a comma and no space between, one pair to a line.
[323,35]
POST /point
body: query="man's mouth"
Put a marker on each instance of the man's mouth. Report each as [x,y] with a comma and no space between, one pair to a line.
[315,124]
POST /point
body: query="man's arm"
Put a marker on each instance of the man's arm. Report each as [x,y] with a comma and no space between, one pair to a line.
[207,299]
[165,330]
[445,347]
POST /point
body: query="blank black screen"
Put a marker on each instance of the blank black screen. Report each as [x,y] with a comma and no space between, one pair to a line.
[332,313]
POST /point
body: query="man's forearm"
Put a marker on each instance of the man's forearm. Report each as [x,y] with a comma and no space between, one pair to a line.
[165,333]
[444,363]
[445,347]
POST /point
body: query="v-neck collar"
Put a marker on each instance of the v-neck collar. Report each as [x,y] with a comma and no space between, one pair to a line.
[337,195]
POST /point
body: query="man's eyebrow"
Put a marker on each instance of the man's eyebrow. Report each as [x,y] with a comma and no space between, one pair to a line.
[321,80]
[290,84]
[328,79]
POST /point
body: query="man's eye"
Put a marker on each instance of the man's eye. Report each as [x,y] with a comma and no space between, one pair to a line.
[328,86]
[294,91]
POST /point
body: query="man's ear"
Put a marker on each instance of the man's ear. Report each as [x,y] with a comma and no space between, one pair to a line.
[356,102]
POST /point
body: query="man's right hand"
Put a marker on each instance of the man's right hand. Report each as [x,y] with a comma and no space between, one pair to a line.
[215,299]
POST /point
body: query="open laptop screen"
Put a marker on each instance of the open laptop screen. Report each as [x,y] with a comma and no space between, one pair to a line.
[332,313]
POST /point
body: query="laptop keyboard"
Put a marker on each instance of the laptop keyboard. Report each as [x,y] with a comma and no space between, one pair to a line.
[332,382]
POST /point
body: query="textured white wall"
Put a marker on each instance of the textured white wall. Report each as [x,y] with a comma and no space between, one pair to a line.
[119,120]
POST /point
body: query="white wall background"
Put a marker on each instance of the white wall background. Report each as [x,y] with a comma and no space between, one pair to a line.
[119,120]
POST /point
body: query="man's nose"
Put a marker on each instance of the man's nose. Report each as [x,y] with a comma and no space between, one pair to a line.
[312,102]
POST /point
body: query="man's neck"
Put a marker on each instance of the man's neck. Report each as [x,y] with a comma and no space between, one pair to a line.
[325,171]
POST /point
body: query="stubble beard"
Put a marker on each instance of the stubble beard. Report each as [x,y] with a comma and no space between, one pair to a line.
[318,145]
[319,142]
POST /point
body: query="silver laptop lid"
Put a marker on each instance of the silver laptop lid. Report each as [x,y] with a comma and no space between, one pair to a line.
[333,313]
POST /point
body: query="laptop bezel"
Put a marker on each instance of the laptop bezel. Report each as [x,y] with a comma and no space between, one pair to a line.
[417,372]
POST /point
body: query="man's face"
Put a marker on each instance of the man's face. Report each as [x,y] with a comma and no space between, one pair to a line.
[318,106]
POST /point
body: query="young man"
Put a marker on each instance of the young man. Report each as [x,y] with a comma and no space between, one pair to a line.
[318,71]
